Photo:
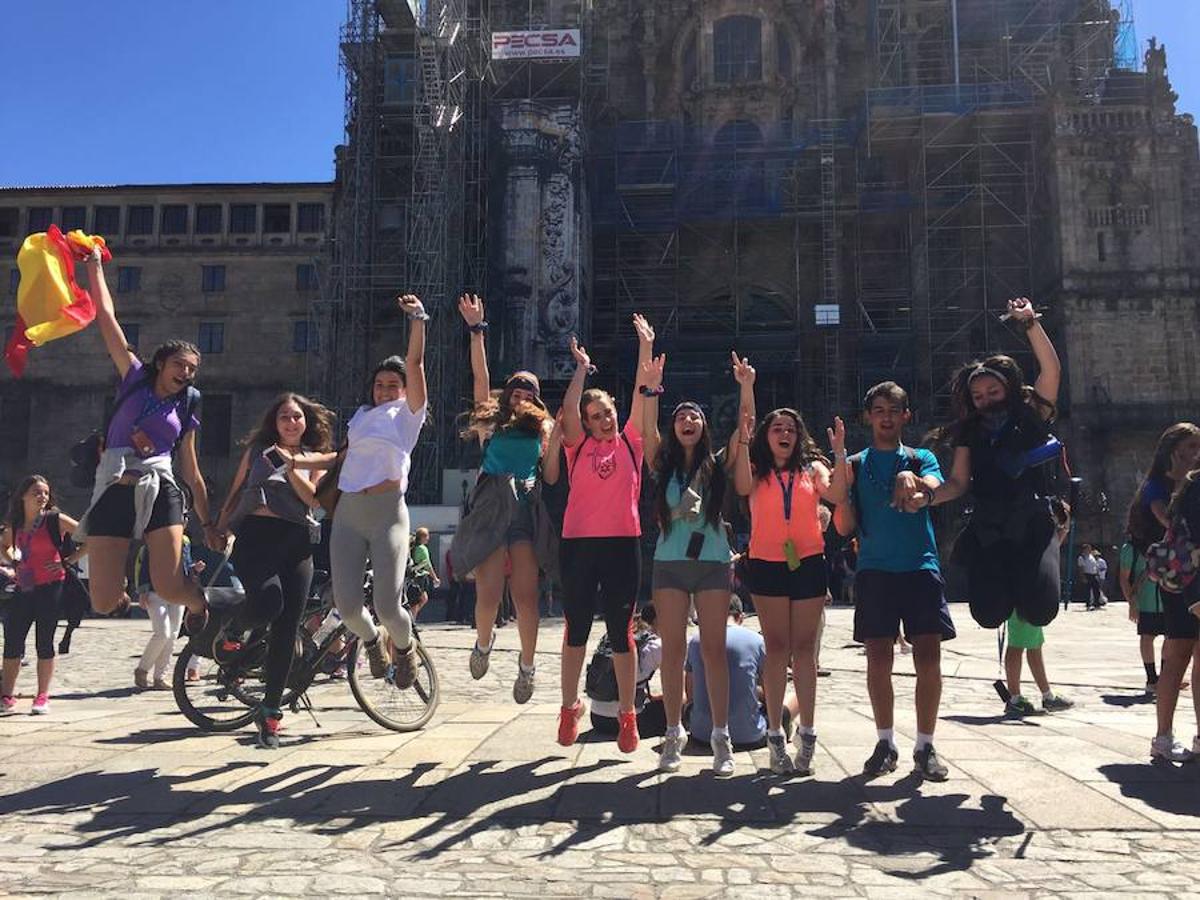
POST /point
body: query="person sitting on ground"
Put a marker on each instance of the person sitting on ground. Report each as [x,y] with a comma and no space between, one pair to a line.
[745,654]
[651,714]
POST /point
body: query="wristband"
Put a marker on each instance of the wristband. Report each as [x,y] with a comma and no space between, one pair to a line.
[419,317]
[647,391]
[478,327]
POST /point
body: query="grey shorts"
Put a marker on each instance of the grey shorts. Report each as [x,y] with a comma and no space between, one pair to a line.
[691,576]
[520,527]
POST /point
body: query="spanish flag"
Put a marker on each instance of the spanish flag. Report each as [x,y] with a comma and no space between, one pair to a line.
[50,304]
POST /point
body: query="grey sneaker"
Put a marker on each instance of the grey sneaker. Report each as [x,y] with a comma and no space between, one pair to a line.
[881,761]
[670,759]
[806,746]
[781,762]
[405,661]
[1166,747]
[480,659]
[1055,703]
[722,748]
[523,686]
[1018,707]
[377,655]
[927,765]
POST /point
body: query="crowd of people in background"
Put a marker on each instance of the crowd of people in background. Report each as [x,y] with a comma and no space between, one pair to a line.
[555,520]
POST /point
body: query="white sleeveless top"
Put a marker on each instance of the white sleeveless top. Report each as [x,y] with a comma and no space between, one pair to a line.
[381,441]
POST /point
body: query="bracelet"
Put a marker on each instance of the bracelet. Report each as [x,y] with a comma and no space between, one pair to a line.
[647,391]
[419,317]
[478,327]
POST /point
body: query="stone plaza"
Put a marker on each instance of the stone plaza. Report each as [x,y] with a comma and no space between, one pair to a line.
[114,793]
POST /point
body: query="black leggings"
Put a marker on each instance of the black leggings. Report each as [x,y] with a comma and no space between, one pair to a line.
[1007,575]
[28,609]
[273,558]
[608,569]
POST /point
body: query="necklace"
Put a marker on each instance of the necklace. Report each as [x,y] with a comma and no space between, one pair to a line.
[897,465]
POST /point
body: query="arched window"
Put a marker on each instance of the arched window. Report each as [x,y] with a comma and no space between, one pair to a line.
[738,133]
[737,50]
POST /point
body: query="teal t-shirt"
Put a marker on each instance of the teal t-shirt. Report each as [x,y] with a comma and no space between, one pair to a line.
[1148,598]
[513,453]
[890,540]
[672,545]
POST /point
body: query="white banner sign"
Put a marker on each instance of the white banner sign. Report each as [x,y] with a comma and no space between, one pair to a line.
[562,43]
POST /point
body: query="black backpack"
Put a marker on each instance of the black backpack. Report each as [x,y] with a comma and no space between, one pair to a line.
[600,682]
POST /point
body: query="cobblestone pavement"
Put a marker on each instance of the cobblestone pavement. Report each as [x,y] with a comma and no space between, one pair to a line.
[115,793]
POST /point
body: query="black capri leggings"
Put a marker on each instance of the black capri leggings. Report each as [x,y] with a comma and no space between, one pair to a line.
[273,558]
[32,609]
[608,569]
[1006,575]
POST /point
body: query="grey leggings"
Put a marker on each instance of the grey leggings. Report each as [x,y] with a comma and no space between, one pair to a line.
[374,525]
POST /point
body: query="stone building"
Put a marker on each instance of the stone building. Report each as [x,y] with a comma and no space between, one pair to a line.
[231,267]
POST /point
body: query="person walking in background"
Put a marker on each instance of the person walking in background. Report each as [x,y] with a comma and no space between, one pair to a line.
[33,544]
[422,578]
[1089,569]
[1101,575]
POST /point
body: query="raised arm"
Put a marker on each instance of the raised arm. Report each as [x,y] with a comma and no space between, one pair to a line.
[835,489]
[651,377]
[471,308]
[743,477]
[645,336]
[414,363]
[551,456]
[1049,367]
[572,425]
[845,520]
[744,375]
[106,316]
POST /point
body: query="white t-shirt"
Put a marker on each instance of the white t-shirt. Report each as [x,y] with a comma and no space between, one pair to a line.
[649,660]
[1087,564]
[381,443]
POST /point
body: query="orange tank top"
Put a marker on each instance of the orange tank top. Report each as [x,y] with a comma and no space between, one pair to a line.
[784,506]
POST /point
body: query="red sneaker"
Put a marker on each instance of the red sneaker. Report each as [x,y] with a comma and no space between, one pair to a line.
[627,738]
[568,723]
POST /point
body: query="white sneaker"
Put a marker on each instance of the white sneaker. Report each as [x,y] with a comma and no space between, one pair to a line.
[41,705]
[806,746]
[671,757]
[781,762]
[722,748]
[1166,747]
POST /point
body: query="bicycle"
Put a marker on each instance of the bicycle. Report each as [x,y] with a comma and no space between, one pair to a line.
[227,692]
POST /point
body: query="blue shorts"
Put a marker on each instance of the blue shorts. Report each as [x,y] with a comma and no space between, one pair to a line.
[882,600]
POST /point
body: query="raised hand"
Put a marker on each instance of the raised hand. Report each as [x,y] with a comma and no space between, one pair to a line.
[743,372]
[645,331]
[471,307]
[1021,309]
[837,438]
[652,371]
[746,429]
[582,360]
[411,306]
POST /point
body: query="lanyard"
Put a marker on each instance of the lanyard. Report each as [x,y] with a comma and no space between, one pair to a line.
[786,490]
[152,406]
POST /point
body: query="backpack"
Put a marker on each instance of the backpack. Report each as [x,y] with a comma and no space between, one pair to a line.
[911,464]
[75,600]
[85,454]
[1172,563]
[600,683]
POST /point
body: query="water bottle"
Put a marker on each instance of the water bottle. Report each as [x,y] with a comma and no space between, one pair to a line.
[331,621]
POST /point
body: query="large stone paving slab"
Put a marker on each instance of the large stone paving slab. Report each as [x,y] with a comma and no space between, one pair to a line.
[115,793]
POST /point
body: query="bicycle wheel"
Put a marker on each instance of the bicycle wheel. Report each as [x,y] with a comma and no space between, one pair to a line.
[399,710]
[217,700]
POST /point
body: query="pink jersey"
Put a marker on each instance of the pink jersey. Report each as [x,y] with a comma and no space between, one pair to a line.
[605,479]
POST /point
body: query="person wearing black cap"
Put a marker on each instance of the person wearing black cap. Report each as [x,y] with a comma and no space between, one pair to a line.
[500,528]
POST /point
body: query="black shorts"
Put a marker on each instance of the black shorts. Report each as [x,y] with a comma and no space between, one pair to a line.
[775,579]
[1180,623]
[1152,623]
[882,600]
[113,514]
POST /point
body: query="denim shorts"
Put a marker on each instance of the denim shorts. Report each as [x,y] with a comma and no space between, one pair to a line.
[520,526]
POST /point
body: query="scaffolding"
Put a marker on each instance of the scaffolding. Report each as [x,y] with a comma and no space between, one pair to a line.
[410,207]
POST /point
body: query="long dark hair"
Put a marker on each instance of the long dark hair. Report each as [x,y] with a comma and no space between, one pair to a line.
[165,351]
[318,424]
[1140,524]
[1021,398]
[16,504]
[496,413]
[762,461]
[705,469]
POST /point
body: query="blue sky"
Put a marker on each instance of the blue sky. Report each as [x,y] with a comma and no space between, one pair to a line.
[145,91]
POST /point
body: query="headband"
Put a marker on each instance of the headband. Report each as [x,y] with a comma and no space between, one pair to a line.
[985,370]
[520,382]
[688,404]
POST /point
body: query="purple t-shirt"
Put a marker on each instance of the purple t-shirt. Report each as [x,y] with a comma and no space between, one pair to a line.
[158,417]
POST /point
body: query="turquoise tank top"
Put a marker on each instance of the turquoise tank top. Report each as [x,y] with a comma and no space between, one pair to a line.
[672,545]
[512,453]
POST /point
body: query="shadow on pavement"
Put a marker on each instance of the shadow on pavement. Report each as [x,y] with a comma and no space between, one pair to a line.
[488,794]
[1162,786]
[998,719]
[1127,700]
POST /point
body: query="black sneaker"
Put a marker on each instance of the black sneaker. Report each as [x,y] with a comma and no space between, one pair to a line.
[927,765]
[269,723]
[882,760]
